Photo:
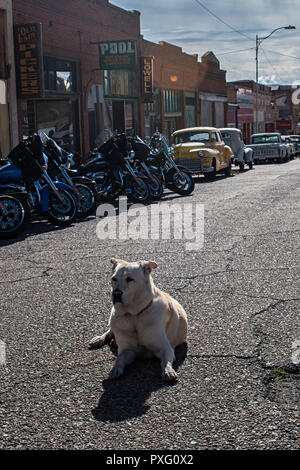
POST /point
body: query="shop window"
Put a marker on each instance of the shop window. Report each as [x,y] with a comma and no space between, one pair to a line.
[60,75]
[172,101]
[120,83]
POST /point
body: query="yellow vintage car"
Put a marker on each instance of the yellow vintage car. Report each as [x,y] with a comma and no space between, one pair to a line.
[202,150]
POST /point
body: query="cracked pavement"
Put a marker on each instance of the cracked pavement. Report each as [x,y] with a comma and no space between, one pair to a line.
[239,385]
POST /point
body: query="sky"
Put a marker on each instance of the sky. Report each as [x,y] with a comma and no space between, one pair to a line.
[228,29]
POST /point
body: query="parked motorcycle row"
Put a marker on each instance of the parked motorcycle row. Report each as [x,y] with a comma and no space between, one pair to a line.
[36,179]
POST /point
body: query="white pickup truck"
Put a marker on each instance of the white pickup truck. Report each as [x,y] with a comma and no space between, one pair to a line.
[268,146]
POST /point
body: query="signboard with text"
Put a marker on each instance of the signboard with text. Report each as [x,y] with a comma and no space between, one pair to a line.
[282,124]
[117,55]
[29,60]
[147,79]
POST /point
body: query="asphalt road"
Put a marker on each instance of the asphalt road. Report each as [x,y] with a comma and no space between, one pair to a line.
[239,382]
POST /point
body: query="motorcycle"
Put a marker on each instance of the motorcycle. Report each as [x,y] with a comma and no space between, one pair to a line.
[175,177]
[139,154]
[58,169]
[110,167]
[26,188]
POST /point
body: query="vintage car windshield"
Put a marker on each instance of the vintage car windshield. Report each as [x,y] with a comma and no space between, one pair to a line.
[191,137]
[295,139]
[265,139]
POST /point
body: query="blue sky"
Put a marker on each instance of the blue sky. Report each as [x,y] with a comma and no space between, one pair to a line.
[188,25]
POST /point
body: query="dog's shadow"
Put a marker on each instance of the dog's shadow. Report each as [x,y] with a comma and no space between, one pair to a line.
[127,397]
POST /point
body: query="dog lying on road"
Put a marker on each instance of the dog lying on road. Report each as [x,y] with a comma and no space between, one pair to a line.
[144,320]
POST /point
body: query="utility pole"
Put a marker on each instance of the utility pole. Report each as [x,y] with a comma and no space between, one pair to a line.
[257,44]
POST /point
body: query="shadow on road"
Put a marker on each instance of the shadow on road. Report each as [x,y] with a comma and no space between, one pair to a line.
[127,397]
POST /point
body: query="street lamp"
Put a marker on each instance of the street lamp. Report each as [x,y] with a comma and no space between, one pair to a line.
[258,43]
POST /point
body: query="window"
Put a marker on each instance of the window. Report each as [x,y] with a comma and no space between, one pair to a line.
[60,75]
[191,137]
[120,83]
[265,139]
[172,101]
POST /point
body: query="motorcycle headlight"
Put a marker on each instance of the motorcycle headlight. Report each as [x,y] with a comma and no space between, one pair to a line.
[201,153]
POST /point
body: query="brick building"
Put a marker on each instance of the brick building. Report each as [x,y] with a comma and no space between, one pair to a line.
[79,104]
[246,101]
[175,80]
[92,76]
[186,92]
[287,112]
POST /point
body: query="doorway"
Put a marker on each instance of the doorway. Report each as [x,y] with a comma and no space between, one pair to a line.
[118,116]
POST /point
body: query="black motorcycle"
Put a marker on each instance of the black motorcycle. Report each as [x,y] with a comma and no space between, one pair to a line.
[139,154]
[175,177]
[110,166]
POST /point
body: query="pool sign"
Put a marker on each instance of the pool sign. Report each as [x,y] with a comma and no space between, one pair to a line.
[116,55]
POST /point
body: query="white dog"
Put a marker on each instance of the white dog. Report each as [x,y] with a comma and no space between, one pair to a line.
[143,318]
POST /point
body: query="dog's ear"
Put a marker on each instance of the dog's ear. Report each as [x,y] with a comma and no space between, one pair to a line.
[148,266]
[115,261]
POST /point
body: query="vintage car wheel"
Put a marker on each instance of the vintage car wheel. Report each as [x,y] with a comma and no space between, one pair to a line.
[212,174]
[250,165]
[242,166]
[228,170]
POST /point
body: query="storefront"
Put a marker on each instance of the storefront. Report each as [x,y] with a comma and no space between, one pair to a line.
[120,101]
[118,60]
[190,109]
[212,110]
[173,111]
[57,112]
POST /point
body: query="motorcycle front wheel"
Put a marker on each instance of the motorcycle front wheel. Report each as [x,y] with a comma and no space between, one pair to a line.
[62,213]
[86,200]
[137,190]
[15,215]
[181,183]
[156,188]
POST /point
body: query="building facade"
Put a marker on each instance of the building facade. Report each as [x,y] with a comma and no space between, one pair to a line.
[186,92]
[81,102]
[84,71]
[8,103]
[246,100]
[287,108]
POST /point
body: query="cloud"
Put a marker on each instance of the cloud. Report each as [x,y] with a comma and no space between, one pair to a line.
[188,25]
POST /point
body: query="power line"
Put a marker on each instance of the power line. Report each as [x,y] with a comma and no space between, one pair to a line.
[237,50]
[222,21]
[275,71]
[285,55]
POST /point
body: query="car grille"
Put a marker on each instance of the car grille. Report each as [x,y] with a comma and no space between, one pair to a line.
[193,164]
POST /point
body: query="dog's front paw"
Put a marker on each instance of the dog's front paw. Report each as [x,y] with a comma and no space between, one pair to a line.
[116,372]
[169,374]
[96,342]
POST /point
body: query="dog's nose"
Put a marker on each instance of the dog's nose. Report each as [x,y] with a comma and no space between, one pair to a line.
[117,294]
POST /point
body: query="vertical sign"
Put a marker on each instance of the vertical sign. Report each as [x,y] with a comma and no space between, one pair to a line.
[29,60]
[147,79]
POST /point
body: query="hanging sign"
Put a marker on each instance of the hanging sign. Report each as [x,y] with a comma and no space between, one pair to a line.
[29,60]
[147,79]
[117,55]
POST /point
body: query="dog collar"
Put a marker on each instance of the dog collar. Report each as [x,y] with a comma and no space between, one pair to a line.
[145,308]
